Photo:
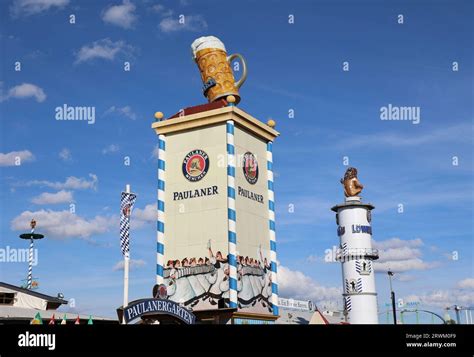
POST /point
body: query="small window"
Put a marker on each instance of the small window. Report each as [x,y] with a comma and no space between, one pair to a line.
[7,298]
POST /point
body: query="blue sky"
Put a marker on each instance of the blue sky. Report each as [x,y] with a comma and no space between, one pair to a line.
[297,67]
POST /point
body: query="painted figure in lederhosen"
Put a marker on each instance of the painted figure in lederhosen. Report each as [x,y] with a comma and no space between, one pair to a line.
[254,279]
[246,294]
[193,279]
[225,283]
[202,278]
[239,273]
[212,276]
[261,277]
[267,286]
[171,280]
[220,263]
[265,277]
[184,290]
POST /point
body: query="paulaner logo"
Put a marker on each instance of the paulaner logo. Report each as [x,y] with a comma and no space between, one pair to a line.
[392,112]
[195,165]
[28,339]
[75,113]
[250,167]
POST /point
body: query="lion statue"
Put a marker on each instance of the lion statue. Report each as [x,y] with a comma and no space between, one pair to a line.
[352,186]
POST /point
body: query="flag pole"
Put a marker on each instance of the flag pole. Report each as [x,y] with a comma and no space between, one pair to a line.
[126,265]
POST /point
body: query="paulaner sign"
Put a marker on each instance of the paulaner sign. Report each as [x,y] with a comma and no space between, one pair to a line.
[184,195]
[143,307]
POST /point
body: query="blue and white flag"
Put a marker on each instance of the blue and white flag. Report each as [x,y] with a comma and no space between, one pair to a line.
[126,204]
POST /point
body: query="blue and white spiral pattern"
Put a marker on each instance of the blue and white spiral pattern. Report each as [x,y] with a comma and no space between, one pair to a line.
[160,224]
[30,261]
[271,218]
[231,215]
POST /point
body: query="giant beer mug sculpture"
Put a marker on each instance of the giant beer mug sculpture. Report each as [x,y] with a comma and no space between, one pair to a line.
[216,72]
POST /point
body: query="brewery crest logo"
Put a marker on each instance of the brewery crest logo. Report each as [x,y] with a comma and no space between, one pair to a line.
[195,165]
[250,167]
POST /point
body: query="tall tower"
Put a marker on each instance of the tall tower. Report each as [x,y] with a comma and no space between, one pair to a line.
[353,218]
[216,249]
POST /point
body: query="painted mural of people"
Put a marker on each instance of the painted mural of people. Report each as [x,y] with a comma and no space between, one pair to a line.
[191,279]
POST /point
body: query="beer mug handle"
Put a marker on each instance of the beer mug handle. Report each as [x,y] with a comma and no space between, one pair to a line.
[244,68]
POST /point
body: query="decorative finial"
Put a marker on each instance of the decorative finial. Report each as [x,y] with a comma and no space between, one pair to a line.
[352,186]
[230,99]
[158,115]
[271,123]
[33,224]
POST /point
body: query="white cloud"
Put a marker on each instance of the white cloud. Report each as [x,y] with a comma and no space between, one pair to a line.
[194,23]
[71,183]
[400,256]
[25,90]
[63,224]
[125,111]
[403,265]
[161,10]
[14,157]
[402,253]
[295,284]
[467,283]
[121,15]
[397,243]
[134,263]
[154,153]
[444,298]
[65,154]
[147,215]
[53,198]
[103,49]
[109,149]
[32,7]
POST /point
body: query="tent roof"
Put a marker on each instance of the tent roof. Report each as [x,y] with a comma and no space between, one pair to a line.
[48,298]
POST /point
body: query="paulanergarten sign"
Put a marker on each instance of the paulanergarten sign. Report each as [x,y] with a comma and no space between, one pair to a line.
[143,307]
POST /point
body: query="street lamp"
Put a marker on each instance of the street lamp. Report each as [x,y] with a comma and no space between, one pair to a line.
[392,294]
[456,309]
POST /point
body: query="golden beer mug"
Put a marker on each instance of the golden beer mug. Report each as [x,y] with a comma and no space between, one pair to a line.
[216,72]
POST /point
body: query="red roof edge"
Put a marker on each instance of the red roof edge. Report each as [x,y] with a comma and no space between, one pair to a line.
[200,108]
[324,319]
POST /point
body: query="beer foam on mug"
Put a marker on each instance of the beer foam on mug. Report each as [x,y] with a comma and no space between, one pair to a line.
[206,42]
